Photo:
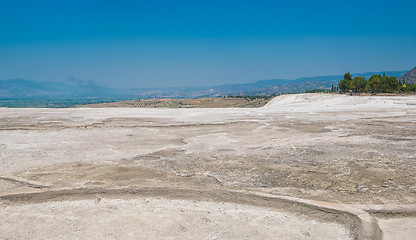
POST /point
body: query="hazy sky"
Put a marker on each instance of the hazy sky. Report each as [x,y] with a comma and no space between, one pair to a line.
[202,43]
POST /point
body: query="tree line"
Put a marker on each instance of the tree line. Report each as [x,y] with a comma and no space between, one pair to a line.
[375,84]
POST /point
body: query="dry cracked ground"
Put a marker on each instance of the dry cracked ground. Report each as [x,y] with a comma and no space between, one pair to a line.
[192,173]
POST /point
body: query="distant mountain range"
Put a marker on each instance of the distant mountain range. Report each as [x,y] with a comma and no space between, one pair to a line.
[21,88]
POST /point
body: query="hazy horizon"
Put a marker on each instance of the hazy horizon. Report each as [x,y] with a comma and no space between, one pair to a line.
[187,43]
[92,83]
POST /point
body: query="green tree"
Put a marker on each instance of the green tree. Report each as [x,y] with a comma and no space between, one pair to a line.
[375,83]
[411,87]
[391,84]
[348,76]
[378,83]
[358,84]
[345,83]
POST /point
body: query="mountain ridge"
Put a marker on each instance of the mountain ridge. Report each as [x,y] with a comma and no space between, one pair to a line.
[22,88]
[409,77]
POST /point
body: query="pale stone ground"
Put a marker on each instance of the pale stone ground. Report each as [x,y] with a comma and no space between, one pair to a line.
[398,228]
[150,218]
[336,148]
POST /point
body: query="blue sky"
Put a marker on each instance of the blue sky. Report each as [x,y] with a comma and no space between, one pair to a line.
[202,43]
